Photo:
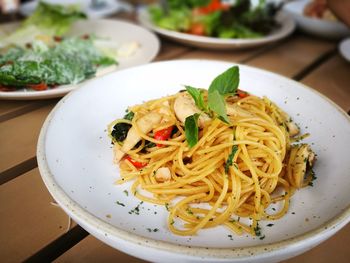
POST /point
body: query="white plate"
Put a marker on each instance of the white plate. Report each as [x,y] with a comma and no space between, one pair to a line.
[314,26]
[116,30]
[286,21]
[75,160]
[344,48]
[110,7]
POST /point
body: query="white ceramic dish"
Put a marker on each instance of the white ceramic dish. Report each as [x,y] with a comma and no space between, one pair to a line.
[286,21]
[75,160]
[317,27]
[109,7]
[119,31]
[344,48]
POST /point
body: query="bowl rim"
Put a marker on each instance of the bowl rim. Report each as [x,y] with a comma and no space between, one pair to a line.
[93,223]
[288,25]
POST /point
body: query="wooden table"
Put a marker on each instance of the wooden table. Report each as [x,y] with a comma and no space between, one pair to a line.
[34,230]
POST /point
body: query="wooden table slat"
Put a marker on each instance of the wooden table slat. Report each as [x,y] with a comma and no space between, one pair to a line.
[28,221]
[292,56]
[93,250]
[11,108]
[333,80]
[237,56]
[171,50]
[18,137]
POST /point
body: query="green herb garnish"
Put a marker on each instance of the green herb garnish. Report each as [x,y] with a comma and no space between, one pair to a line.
[229,161]
[191,129]
[257,230]
[119,203]
[136,210]
[197,96]
[120,130]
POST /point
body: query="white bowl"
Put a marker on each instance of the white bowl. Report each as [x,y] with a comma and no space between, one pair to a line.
[314,26]
[285,20]
[75,160]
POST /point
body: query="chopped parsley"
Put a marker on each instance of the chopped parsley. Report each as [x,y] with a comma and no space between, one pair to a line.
[188,210]
[269,225]
[153,230]
[257,230]
[126,192]
[229,161]
[119,203]
[167,206]
[136,210]
[313,177]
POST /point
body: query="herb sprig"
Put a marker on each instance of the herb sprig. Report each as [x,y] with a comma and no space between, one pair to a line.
[222,86]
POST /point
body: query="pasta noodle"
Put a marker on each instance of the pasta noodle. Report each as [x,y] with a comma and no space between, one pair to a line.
[235,170]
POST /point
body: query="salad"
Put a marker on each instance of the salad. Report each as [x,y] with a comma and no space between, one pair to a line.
[38,56]
[216,18]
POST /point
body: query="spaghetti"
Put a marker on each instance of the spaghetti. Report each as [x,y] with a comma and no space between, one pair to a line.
[235,169]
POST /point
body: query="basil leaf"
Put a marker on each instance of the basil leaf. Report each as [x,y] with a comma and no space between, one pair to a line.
[197,97]
[229,161]
[191,129]
[216,103]
[227,82]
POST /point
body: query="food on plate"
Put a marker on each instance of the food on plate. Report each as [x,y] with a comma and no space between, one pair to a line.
[47,20]
[40,55]
[48,62]
[215,18]
[213,157]
[319,9]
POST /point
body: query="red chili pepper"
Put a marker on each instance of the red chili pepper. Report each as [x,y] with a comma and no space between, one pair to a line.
[242,94]
[163,135]
[40,86]
[137,164]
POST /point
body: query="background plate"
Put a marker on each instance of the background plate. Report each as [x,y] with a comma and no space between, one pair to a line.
[286,21]
[116,30]
[75,161]
[109,7]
